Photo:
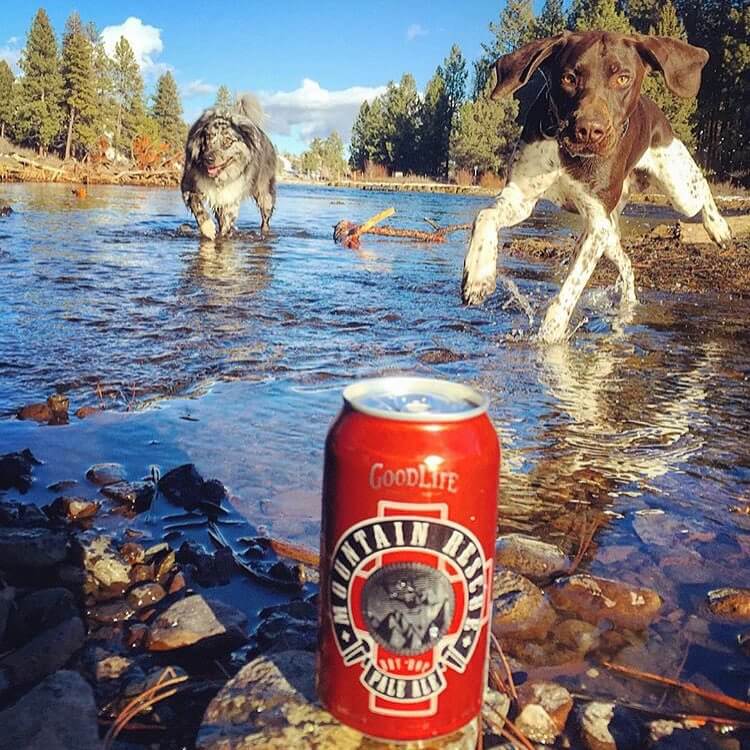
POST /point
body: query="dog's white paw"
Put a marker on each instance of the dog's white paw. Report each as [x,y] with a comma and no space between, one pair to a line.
[475,290]
[480,265]
[717,228]
[208,229]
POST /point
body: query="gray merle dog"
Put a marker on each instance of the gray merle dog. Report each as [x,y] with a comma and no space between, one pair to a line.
[228,158]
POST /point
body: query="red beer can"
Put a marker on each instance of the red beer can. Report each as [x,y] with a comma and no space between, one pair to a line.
[407,546]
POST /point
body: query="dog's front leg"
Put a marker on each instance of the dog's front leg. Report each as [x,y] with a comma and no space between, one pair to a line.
[675,171]
[534,170]
[227,218]
[205,222]
[598,238]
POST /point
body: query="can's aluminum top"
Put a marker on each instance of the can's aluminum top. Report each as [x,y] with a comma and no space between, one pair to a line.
[416,399]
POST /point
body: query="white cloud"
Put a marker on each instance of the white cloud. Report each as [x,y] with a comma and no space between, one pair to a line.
[415,30]
[198,88]
[314,112]
[11,53]
[144,39]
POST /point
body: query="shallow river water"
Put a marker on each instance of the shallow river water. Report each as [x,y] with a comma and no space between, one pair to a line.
[233,356]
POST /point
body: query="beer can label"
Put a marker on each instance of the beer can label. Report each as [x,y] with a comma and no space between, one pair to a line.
[409,593]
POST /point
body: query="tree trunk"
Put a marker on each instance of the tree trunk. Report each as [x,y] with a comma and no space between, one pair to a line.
[69,139]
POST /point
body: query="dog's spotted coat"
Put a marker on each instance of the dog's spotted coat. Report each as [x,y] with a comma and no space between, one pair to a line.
[643,150]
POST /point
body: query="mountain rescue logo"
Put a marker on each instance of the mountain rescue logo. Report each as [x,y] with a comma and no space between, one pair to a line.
[410,596]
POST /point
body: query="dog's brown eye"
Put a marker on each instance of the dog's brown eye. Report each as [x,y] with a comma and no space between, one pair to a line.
[623,79]
[568,78]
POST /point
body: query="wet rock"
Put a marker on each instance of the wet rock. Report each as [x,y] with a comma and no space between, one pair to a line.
[521,609]
[133,553]
[102,561]
[656,528]
[43,654]
[495,707]
[136,636]
[146,595]
[62,485]
[7,595]
[59,405]
[72,508]
[661,728]
[23,516]
[112,667]
[15,470]
[142,573]
[545,710]
[39,412]
[606,726]
[206,569]
[177,583]
[530,557]
[104,474]
[271,703]
[136,496]
[730,604]
[439,356]
[32,548]
[596,599]
[197,620]
[288,627]
[87,411]
[578,635]
[185,230]
[5,209]
[185,487]
[58,714]
[41,610]
[112,613]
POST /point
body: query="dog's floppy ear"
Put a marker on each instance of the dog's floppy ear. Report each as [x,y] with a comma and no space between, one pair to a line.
[681,63]
[246,129]
[515,70]
[193,144]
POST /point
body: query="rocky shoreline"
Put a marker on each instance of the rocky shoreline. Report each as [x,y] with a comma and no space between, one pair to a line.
[134,637]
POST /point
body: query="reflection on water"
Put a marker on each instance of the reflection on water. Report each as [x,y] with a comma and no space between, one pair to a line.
[648,414]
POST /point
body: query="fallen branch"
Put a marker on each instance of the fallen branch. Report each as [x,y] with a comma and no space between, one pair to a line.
[31,163]
[509,687]
[346,233]
[688,687]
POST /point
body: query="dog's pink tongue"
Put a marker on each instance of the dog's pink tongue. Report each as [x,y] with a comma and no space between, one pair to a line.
[212,171]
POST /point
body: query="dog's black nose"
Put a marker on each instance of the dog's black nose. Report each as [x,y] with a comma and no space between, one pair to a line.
[589,130]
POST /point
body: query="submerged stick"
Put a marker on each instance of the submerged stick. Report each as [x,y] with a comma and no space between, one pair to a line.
[688,687]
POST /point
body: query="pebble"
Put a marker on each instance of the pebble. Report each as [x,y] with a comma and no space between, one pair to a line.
[521,609]
[73,508]
[730,604]
[546,706]
[35,413]
[101,560]
[596,599]
[532,558]
[58,714]
[107,473]
[146,595]
[137,496]
[196,620]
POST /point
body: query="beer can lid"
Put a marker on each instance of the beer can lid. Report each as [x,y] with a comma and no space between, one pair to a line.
[412,399]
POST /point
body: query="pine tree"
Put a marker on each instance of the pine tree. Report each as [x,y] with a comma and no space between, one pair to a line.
[599,15]
[7,96]
[485,133]
[679,111]
[167,111]
[78,87]
[515,27]
[368,136]
[40,115]
[402,124]
[131,118]
[454,74]
[435,123]
[551,20]
[223,97]
[105,114]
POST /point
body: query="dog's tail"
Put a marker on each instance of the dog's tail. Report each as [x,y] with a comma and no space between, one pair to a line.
[248,106]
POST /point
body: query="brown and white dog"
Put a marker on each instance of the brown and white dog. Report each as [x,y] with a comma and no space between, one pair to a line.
[587,138]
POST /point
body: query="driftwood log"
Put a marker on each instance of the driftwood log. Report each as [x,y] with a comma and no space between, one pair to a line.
[347,233]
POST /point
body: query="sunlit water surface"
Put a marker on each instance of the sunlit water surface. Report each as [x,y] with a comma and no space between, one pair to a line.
[233,356]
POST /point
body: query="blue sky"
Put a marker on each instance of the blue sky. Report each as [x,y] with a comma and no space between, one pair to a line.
[311,62]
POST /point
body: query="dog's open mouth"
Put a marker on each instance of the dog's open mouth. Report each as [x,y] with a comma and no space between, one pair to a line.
[213,169]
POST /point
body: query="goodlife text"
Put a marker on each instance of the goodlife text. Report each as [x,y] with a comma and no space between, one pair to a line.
[420,476]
